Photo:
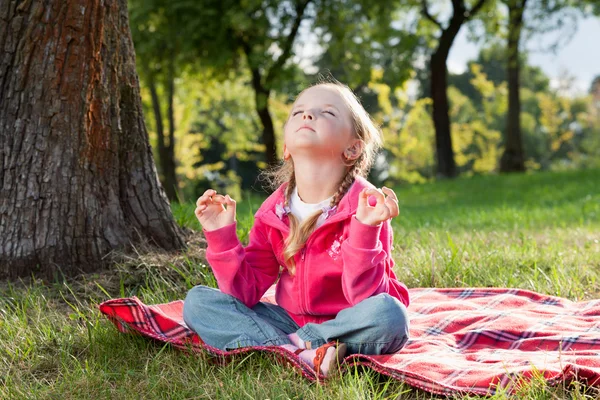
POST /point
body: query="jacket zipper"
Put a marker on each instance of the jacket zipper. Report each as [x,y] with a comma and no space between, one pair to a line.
[304,285]
[278,224]
[304,277]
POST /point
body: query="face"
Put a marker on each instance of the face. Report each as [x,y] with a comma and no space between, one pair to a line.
[319,125]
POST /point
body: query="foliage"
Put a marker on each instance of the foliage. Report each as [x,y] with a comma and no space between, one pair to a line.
[409,133]
[492,62]
[558,131]
[371,47]
[358,36]
[225,132]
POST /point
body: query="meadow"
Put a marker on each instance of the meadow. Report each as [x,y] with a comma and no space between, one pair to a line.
[537,231]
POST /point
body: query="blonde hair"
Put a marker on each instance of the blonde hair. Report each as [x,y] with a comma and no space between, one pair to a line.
[365,129]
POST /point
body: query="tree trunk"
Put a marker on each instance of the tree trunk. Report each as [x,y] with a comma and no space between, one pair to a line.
[446,167]
[166,152]
[77,175]
[261,96]
[513,158]
[170,182]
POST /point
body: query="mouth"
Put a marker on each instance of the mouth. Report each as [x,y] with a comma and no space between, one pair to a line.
[305,127]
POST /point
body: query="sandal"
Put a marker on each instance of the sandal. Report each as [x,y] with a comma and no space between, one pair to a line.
[339,350]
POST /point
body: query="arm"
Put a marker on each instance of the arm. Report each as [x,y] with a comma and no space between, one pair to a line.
[367,260]
[368,264]
[245,273]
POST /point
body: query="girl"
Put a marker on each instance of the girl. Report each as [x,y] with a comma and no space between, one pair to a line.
[325,233]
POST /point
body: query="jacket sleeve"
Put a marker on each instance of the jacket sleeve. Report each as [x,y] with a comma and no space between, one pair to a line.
[368,264]
[245,273]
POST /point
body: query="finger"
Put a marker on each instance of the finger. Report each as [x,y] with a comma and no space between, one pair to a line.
[391,202]
[202,200]
[378,194]
[230,204]
[205,197]
[390,193]
[218,198]
[362,198]
[385,213]
[392,205]
[229,201]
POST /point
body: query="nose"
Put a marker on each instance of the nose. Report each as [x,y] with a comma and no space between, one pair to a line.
[308,114]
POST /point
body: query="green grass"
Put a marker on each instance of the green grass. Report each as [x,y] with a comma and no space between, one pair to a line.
[539,232]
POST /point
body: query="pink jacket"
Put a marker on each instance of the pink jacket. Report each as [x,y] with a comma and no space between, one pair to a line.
[344,261]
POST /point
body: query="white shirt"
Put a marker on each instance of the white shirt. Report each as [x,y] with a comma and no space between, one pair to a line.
[302,210]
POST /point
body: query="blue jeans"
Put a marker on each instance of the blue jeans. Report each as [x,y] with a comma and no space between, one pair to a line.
[376,325]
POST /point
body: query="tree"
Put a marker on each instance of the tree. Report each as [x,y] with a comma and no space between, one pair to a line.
[438,72]
[161,55]
[78,177]
[549,15]
[263,32]
[513,158]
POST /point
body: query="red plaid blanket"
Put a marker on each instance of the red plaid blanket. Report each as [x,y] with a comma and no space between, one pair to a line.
[475,341]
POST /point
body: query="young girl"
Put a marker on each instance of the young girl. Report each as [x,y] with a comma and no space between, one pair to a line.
[325,233]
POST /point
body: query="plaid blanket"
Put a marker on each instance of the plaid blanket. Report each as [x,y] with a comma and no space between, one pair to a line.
[470,341]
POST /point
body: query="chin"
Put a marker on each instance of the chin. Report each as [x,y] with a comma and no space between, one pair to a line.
[302,145]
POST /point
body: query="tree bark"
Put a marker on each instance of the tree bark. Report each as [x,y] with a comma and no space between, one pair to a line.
[446,167]
[166,145]
[170,182]
[163,150]
[513,158]
[261,98]
[78,178]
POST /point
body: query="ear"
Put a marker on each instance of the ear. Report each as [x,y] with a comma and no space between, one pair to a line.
[355,149]
[286,153]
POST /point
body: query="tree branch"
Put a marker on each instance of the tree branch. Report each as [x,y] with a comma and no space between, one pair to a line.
[425,11]
[475,9]
[287,47]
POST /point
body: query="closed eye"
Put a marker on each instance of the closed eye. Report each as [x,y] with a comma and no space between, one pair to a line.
[296,113]
[330,112]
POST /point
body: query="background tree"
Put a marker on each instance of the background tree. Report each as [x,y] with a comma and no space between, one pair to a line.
[162,53]
[532,17]
[513,158]
[78,177]
[257,35]
[438,74]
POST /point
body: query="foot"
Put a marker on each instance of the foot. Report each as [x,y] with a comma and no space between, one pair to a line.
[299,343]
[326,359]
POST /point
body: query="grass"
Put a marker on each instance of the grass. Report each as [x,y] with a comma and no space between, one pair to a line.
[539,232]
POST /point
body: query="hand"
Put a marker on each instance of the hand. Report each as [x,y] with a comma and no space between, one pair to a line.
[211,212]
[385,208]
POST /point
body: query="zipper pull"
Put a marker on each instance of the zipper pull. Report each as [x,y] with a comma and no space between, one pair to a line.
[302,253]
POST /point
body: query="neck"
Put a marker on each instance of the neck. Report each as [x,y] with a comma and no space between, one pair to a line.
[317,181]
